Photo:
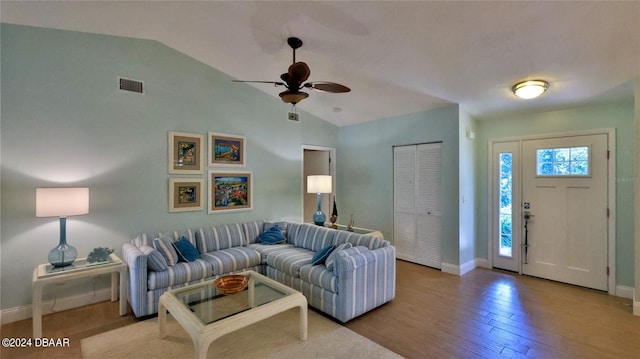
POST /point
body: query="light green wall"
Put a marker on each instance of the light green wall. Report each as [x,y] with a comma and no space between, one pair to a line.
[365,170]
[467,195]
[64,123]
[613,115]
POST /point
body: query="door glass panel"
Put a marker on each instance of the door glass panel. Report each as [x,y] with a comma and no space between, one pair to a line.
[567,161]
[506,204]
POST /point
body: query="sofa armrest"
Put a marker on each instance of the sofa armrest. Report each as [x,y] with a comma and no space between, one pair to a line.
[366,280]
[137,263]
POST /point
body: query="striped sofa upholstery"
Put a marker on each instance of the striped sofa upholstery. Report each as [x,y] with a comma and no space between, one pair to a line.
[362,279]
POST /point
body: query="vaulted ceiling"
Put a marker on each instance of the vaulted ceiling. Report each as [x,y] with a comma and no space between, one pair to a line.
[397,57]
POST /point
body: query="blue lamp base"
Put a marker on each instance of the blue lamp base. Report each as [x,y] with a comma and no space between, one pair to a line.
[63,254]
[319,218]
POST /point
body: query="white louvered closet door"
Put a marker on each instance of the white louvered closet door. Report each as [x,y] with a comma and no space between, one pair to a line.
[417,203]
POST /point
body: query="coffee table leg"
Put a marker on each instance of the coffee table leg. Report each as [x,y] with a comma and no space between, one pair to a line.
[202,347]
[303,321]
[162,319]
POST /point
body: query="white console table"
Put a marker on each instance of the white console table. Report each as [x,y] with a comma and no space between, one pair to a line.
[45,274]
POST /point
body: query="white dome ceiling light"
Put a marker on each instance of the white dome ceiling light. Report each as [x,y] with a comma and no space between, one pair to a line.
[530,89]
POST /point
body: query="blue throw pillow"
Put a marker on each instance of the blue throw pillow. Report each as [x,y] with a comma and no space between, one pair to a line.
[331,259]
[272,236]
[186,251]
[322,255]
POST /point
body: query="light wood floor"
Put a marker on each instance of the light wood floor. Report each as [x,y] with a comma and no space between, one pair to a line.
[484,314]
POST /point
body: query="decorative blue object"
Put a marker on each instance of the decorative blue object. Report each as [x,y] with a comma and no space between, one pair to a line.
[99,254]
[322,255]
[272,236]
[187,252]
[319,217]
[63,254]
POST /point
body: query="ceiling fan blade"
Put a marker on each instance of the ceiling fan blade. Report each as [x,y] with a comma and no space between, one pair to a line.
[324,86]
[277,83]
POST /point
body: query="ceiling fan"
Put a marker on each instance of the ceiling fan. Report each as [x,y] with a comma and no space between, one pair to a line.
[294,79]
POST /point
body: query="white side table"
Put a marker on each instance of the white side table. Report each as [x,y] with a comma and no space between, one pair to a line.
[45,274]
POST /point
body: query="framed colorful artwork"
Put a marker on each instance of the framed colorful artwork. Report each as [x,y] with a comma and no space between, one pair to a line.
[186,194]
[226,150]
[230,191]
[186,153]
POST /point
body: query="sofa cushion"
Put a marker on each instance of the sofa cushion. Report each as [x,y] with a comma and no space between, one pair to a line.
[266,249]
[155,260]
[320,276]
[289,260]
[147,238]
[231,259]
[366,240]
[222,236]
[272,235]
[332,256]
[187,252]
[322,255]
[164,245]
[180,273]
[292,231]
[252,230]
[313,237]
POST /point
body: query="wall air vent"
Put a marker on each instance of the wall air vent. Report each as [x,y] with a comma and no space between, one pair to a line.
[130,85]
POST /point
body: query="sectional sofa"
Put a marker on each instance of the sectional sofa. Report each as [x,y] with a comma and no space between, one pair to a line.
[358,276]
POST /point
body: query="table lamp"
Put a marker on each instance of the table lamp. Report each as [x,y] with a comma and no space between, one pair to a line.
[319,184]
[62,202]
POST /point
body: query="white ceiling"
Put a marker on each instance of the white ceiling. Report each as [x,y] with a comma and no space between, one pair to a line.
[397,57]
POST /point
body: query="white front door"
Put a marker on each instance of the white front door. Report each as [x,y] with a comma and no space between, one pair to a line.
[565,184]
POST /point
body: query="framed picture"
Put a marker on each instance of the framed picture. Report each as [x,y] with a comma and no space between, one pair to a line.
[230,191]
[186,194]
[186,153]
[226,150]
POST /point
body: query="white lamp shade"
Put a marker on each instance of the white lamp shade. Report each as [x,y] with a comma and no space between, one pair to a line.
[319,184]
[62,202]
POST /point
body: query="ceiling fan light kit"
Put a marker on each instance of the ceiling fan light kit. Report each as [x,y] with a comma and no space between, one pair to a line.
[295,77]
[530,89]
[293,97]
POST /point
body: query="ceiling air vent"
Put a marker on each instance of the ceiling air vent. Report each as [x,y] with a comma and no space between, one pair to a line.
[130,85]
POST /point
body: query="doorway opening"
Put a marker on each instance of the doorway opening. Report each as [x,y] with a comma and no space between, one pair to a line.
[317,160]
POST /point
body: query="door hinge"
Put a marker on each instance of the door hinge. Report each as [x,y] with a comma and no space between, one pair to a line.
[607,154]
[607,212]
[607,270]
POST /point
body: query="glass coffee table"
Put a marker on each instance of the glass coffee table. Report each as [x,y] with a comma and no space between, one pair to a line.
[206,314]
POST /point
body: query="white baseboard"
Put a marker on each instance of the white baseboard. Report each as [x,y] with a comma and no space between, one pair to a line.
[459,270]
[450,268]
[482,263]
[15,314]
[624,291]
[466,267]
